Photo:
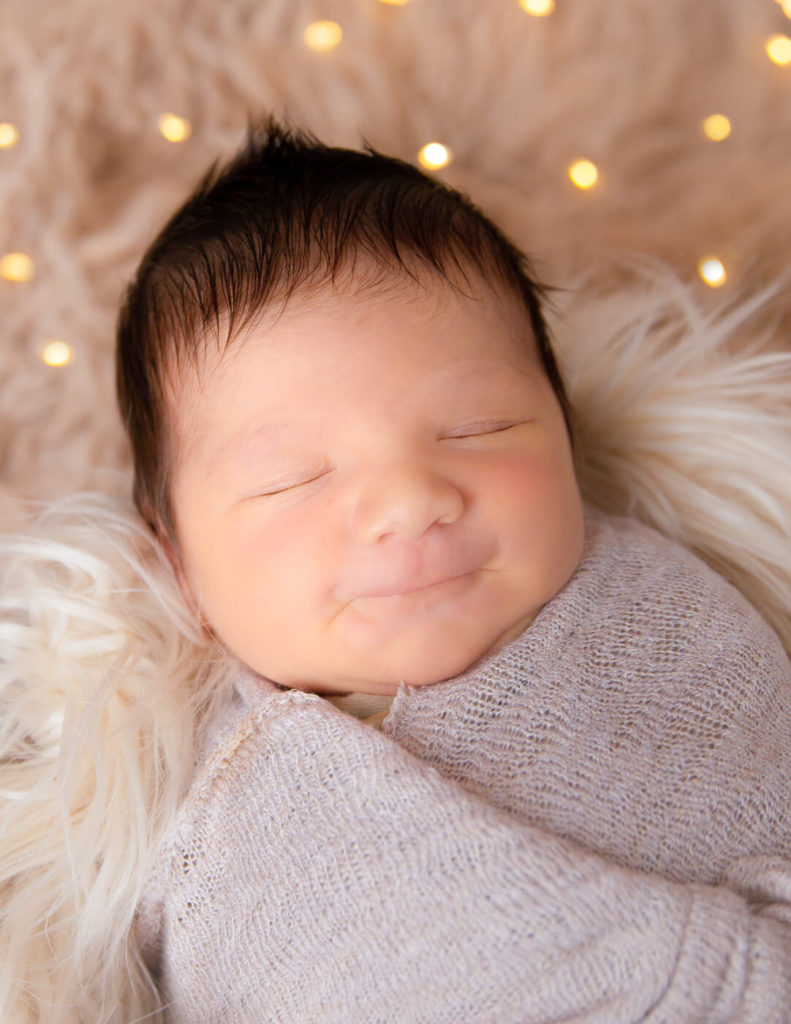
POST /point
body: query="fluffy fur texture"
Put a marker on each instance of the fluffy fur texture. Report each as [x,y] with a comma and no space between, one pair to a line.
[102,681]
[681,394]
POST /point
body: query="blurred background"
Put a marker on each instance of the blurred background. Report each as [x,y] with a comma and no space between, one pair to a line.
[600,134]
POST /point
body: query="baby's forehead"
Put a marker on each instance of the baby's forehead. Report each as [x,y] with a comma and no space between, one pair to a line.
[427,293]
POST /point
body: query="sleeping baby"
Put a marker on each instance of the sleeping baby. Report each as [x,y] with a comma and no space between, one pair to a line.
[353,442]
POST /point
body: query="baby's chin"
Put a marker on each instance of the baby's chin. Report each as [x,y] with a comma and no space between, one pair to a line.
[416,668]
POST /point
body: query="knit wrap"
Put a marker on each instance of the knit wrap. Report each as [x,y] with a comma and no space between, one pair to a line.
[478,860]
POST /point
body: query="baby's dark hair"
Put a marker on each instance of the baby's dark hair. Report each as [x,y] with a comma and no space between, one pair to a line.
[286,215]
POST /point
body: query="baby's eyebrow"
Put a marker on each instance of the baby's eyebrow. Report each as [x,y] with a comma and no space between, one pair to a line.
[479,373]
[248,437]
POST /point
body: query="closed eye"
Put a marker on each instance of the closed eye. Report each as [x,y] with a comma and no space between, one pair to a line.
[481,429]
[287,486]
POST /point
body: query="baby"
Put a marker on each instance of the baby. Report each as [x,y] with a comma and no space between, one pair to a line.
[352,439]
[347,421]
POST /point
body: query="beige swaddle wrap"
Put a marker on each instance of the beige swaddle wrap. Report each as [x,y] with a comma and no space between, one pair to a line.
[321,871]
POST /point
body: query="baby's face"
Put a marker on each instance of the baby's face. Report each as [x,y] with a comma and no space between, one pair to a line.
[375,489]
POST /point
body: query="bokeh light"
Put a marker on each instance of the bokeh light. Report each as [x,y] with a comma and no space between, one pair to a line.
[56,353]
[9,135]
[779,49]
[16,266]
[174,128]
[712,271]
[537,7]
[323,35]
[434,155]
[584,173]
[716,127]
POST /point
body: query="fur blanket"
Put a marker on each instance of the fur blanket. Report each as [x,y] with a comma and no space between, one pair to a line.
[681,391]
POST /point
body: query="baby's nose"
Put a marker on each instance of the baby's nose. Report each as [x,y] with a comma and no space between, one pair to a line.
[403,501]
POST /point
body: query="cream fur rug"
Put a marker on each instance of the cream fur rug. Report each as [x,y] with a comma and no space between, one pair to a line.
[682,392]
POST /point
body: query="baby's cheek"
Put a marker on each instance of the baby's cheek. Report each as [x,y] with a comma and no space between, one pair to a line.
[531,483]
[286,564]
[536,505]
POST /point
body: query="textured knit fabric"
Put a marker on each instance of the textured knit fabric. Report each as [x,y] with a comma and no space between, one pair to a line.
[320,871]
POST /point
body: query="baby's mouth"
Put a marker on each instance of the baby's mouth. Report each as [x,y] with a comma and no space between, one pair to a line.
[417,570]
[416,585]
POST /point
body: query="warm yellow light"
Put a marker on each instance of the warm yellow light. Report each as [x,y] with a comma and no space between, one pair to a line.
[9,135]
[323,35]
[537,7]
[716,127]
[779,48]
[786,5]
[16,266]
[394,3]
[583,173]
[56,353]
[434,155]
[711,271]
[174,128]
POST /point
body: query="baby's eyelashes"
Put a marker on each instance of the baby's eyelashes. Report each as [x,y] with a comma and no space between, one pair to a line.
[488,427]
[289,484]
[482,430]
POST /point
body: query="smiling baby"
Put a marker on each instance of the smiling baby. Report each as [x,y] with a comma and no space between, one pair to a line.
[353,442]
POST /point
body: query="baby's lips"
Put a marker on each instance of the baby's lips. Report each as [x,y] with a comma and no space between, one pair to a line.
[409,574]
[403,568]
[401,586]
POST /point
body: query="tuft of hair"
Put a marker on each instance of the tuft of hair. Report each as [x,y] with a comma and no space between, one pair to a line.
[103,681]
[289,215]
[683,420]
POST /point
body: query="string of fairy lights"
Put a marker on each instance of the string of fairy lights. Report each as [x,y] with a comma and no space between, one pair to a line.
[323,36]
